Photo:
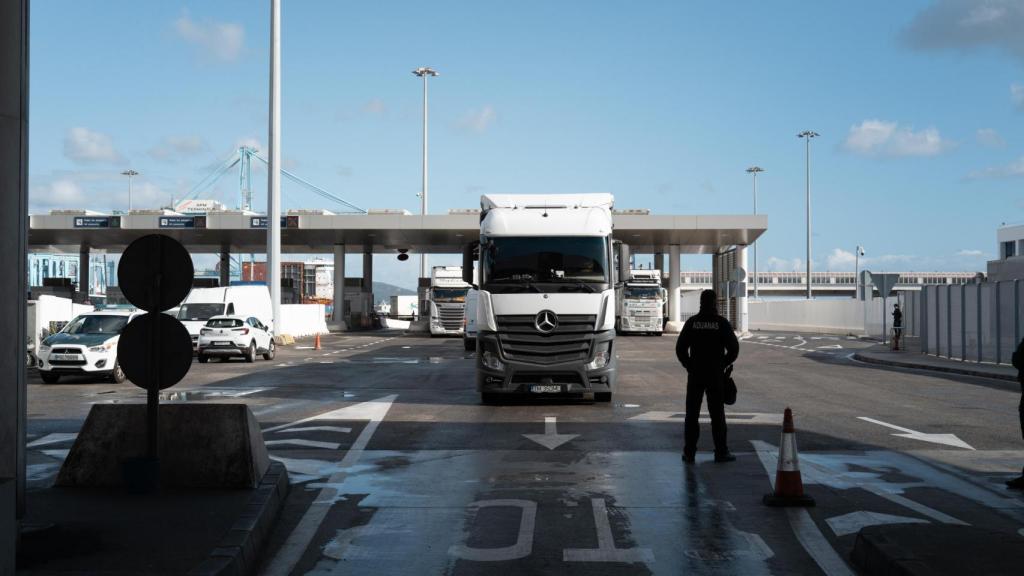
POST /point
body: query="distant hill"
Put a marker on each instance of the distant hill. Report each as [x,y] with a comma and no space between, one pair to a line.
[383,291]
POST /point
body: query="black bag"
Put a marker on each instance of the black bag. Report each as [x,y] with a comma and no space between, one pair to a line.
[728,387]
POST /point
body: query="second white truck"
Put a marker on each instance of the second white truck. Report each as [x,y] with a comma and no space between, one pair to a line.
[642,303]
[447,301]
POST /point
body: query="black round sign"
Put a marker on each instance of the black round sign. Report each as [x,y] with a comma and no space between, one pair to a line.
[155,347]
[155,273]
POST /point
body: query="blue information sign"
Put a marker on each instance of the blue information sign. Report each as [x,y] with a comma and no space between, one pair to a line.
[177,222]
[92,221]
[286,222]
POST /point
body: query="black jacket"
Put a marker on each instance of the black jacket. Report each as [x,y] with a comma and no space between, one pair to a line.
[1018,362]
[707,344]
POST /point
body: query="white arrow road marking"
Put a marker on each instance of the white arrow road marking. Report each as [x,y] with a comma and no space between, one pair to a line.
[54,438]
[852,523]
[945,439]
[303,442]
[316,429]
[550,439]
[731,417]
[830,347]
[58,454]
[291,551]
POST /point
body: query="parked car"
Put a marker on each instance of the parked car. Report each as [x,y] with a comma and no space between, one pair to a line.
[85,346]
[202,304]
[469,334]
[225,336]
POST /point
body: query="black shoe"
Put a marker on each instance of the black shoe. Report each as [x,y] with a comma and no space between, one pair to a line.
[689,458]
[1016,483]
[725,457]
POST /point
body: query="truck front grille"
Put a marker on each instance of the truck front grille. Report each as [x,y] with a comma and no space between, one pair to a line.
[569,342]
[451,317]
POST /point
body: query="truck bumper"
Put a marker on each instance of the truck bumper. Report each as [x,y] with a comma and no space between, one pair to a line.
[520,377]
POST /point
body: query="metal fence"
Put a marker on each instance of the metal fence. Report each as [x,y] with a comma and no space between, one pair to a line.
[973,322]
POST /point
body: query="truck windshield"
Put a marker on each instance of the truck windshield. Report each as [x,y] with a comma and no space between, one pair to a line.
[450,294]
[200,311]
[96,325]
[546,259]
[642,292]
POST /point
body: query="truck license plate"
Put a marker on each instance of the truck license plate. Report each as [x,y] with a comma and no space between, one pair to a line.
[546,389]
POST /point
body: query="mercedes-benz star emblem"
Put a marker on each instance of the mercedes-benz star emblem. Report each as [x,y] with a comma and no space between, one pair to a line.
[546,322]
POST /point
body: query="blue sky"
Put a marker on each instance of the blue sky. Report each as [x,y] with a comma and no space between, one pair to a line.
[920,107]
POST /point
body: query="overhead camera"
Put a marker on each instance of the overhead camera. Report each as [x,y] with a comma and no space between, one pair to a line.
[402,256]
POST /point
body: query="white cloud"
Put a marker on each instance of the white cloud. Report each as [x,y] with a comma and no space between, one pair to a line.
[839,259]
[1017,94]
[883,138]
[478,120]
[970,253]
[93,191]
[969,25]
[218,40]
[174,148]
[784,265]
[1011,170]
[84,145]
[989,137]
[250,142]
[374,106]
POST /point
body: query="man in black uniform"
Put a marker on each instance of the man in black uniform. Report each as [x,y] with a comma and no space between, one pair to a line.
[897,326]
[706,346]
[1018,363]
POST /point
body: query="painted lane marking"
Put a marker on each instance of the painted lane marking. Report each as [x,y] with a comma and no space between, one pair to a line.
[298,541]
[606,550]
[851,523]
[550,439]
[277,407]
[945,439]
[58,454]
[54,438]
[316,429]
[303,442]
[731,417]
[806,531]
[524,540]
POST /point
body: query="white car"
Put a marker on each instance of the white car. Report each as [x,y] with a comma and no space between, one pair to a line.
[225,336]
[86,346]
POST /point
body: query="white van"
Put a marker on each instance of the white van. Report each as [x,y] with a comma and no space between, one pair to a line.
[469,334]
[201,304]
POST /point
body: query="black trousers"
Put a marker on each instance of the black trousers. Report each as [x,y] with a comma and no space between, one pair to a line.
[697,386]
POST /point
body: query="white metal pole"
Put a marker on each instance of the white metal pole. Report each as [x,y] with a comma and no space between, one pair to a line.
[808,181]
[423,195]
[129,193]
[856,274]
[755,241]
[274,168]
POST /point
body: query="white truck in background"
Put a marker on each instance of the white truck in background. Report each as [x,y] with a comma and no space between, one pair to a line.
[546,308]
[447,301]
[403,306]
[642,303]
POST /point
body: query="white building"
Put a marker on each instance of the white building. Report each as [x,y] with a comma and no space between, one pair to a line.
[1010,265]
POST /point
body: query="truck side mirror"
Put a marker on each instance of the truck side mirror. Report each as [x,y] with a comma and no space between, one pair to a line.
[622,251]
[468,257]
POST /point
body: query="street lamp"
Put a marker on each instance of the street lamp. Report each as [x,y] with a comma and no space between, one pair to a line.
[807,135]
[753,170]
[856,270]
[425,73]
[129,173]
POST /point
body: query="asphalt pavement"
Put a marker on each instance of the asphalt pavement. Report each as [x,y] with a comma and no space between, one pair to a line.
[397,468]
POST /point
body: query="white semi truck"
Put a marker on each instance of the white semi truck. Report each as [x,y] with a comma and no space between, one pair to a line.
[546,309]
[642,303]
[447,301]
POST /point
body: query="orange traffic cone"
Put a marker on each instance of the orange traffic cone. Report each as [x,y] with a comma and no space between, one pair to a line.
[316,343]
[789,487]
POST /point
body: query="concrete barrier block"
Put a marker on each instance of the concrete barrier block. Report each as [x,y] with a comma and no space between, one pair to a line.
[201,446]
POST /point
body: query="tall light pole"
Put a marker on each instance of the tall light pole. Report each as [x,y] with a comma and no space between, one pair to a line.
[274,168]
[753,170]
[807,135]
[129,173]
[856,270]
[425,73]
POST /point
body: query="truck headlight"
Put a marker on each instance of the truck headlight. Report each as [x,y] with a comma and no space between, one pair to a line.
[601,357]
[490,361]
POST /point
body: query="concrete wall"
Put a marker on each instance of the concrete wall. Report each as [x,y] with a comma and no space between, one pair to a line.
[303,319]
[832,316]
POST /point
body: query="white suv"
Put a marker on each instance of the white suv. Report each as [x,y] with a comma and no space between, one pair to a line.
[86,346]
[225,336]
